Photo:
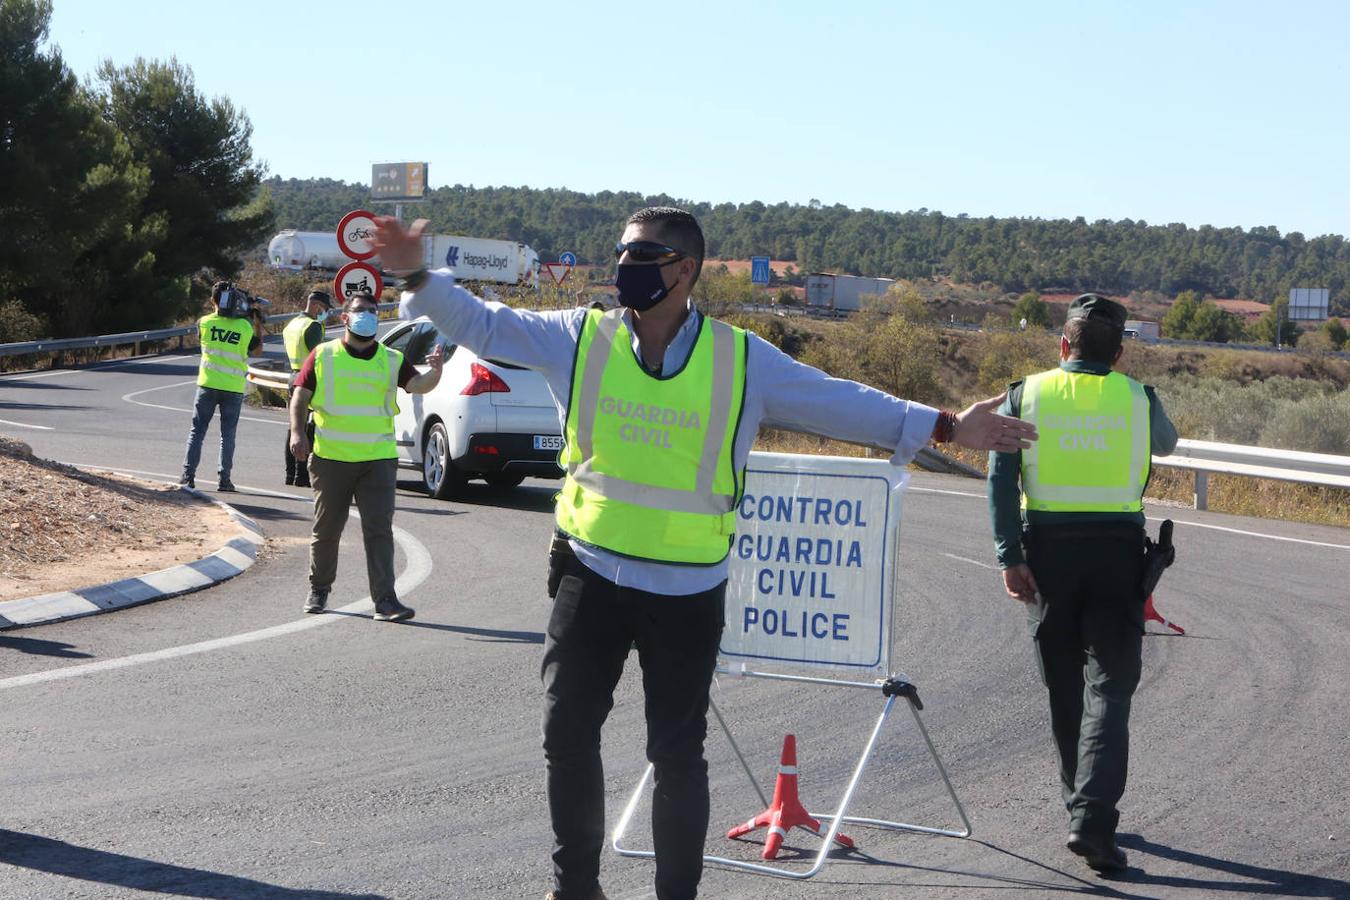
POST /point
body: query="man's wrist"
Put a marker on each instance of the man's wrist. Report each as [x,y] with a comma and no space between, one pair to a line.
[416,279]
[945,428]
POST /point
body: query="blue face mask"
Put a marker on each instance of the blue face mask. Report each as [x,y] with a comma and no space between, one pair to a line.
[641,286]
[363,324]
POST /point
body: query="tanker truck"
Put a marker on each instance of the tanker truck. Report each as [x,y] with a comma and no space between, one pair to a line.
[471,259]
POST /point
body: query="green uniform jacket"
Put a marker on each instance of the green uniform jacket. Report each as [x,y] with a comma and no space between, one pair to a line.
[1005,474]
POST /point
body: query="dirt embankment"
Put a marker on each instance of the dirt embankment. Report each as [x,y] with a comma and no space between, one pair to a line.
[63,529]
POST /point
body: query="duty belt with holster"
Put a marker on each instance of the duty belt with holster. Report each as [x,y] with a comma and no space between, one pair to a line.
[1157,556]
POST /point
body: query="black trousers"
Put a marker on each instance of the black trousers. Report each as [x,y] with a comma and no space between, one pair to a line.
[297,471]
[594,624]
[1089,627]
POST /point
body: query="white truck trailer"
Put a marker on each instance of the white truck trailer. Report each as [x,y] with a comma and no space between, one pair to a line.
[842,293]
[472,259]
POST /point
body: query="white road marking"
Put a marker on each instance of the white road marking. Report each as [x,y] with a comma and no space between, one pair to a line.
[1259,534]
[99,366]
[179,409]
[417,571]
[973,562]
[26,425]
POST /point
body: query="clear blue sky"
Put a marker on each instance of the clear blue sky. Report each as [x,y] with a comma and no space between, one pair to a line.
[1225,113]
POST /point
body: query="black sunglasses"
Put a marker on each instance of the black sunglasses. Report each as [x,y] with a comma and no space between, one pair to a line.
[647,251]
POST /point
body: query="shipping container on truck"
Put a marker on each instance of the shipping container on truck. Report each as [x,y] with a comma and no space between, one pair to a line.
[472,259]
[842,293]
[481,259]
[1142,330]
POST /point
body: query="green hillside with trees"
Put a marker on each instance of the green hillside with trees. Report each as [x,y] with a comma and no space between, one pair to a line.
[1017,255]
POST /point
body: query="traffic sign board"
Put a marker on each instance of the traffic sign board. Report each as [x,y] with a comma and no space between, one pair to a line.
[568,259]
[558,271]
[358,276]
[354,234]
[759,270]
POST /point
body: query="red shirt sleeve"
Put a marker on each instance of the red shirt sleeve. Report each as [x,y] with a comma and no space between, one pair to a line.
[406,371]
[305,377]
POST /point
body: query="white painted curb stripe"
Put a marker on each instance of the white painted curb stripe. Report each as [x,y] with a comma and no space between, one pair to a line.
[236,556]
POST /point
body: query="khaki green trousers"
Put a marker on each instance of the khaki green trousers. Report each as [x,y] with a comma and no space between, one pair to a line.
[371,484]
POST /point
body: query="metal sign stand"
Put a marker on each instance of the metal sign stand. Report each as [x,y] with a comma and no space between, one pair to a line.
[776,485]
[890,688]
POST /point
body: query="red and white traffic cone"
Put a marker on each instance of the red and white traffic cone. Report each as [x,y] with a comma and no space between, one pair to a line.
[1152,615]
[786,811]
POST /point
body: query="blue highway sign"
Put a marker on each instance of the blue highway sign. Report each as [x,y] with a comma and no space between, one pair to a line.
[759,270]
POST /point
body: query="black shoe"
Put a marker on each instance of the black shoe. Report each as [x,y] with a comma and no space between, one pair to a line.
[226,486]
[390,610]
[559,895]
[1101,853]
[302,482]
[318,599]
[187,481]
[290,479]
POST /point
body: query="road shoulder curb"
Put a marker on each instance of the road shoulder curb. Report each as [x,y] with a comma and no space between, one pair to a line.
[237,555]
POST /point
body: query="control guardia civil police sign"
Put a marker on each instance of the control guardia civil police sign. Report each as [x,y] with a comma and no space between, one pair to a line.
[812,569]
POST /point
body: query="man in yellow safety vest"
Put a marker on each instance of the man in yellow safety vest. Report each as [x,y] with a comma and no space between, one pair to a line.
[352,385]
[228,338]
[300,336]
[1069,530]
[659,406]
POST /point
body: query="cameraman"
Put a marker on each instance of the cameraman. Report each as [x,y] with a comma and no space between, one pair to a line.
[228,338]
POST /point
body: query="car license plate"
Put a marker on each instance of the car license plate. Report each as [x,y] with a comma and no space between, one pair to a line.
[548,442]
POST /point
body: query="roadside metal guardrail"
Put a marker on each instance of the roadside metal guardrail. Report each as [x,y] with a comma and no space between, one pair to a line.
[1204,457]
[135,338]
[1200,457]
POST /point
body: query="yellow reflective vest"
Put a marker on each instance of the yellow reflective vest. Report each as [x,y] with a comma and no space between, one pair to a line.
[293,337]
[224,342]
[1093,450]
[649,464]
[354,403]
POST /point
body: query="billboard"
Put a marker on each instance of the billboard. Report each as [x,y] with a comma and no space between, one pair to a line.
[398,181]
[1308,304]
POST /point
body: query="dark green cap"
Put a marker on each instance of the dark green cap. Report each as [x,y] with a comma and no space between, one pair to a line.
[1099,309]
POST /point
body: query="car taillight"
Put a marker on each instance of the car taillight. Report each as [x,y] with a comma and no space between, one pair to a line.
[483,380]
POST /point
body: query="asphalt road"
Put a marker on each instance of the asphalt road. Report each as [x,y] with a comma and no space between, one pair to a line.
[224,745]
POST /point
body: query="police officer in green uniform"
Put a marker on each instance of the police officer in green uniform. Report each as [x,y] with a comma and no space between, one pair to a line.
[227,339]
[300,336]
[1069,529]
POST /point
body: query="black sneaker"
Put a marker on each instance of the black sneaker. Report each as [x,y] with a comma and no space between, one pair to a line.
[390,610]
[187,481]
[226,486]
[290,479]
[1099,852]
[318,599]
[302,482]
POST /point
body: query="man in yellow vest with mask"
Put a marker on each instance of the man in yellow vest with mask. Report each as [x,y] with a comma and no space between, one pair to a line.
[300,336]
[659,406]
[1069,530]
[352,386]
[228,338]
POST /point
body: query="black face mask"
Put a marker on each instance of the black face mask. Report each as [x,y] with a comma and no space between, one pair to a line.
[641,286]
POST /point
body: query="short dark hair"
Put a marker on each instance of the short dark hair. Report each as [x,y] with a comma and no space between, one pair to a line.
[1093,340]
[319,297]
[358,297]
[675,228]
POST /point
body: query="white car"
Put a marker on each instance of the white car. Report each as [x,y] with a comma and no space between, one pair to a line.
[485,419]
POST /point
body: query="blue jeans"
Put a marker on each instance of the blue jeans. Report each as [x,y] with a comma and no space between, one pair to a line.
[203,408]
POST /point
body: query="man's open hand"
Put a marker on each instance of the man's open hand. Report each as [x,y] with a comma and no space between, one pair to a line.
[400,248]
[979,427]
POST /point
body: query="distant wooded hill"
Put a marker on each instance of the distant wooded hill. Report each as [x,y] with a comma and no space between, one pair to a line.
[1015,254]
